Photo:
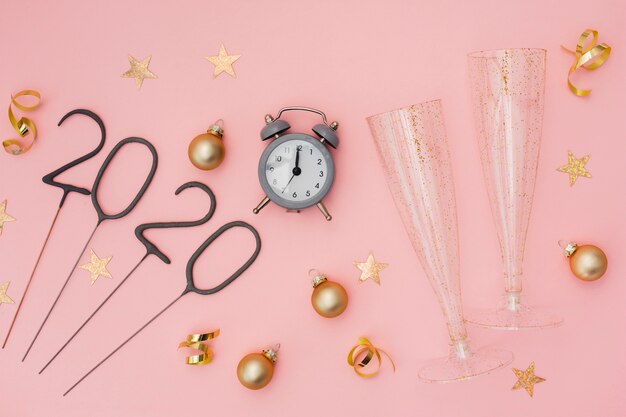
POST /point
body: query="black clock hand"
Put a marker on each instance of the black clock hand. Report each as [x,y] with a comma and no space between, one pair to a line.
[297,159]
[296,170]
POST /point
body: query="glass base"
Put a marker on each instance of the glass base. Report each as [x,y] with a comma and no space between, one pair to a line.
[513,315]
[463,364]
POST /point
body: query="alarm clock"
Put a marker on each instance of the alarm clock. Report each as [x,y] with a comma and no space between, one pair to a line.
[296,170]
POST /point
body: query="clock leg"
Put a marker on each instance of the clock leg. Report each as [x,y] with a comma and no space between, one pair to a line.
[262,204]
[325,212]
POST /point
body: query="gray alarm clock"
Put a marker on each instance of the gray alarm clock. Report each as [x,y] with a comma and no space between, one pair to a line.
[296,170]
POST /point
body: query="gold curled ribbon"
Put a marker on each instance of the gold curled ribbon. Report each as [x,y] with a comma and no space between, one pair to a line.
[23,126]
[589,58]
[357,351]
[194,341]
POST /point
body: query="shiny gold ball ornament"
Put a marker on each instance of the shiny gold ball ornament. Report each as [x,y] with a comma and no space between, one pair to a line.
[256,370]
[206,151]
[329,299]
[587,262]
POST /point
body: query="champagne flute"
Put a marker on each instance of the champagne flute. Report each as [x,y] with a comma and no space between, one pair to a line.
[413,149]
[508,95]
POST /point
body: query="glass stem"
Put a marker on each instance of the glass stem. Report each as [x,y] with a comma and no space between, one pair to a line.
[460,349]
[459,342]
[513,300]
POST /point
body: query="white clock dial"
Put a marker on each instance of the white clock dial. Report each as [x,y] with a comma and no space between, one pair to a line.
[296,170]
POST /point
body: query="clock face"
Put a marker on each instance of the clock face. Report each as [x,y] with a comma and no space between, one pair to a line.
[298,170]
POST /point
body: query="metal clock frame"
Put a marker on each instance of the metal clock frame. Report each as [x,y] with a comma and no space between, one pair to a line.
[281,201]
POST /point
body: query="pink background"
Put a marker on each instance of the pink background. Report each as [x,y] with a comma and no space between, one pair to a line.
[351,59]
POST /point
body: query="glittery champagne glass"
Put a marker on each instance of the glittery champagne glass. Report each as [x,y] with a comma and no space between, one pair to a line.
[413,149]
[508,94]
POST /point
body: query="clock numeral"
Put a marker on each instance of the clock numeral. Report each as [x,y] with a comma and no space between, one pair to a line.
[319,162]
[287,149]
[308,193]
[321,174]
[271,169]
[294,195]
[275,181]
[311,150]
[299,147]
[279,158]
[317,185]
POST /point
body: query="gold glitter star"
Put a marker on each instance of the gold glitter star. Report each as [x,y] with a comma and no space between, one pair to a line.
[370,269]
[4,217]
[4,298]
[139,70]
[97,267]
[527,379]
[575,167]
[223,62]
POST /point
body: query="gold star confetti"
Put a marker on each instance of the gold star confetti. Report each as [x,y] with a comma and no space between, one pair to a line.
[4,217]
[139,70]
[527,379]
[223,62]
[97,267]
[575,167]
[4,298]
[370,269]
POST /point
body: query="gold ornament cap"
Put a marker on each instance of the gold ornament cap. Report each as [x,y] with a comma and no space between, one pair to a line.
[216,128]
[569,249]
[316,277]
[271,353]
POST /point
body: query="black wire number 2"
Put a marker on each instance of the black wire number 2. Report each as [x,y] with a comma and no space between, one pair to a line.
[69,188]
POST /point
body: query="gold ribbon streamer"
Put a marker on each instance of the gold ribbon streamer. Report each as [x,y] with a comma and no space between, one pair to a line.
[23,126]
[589,58]
[194,341]
[357,351]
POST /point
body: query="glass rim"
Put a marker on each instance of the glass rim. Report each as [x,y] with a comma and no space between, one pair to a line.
[491,53]
[421,103]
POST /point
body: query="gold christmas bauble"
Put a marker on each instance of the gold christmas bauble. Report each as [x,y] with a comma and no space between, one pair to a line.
[256,370]
[206,151]
[329,299]
[588,262]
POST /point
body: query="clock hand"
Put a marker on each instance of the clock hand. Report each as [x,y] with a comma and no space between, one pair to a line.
[297,158]
[292,177]
[296,170]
